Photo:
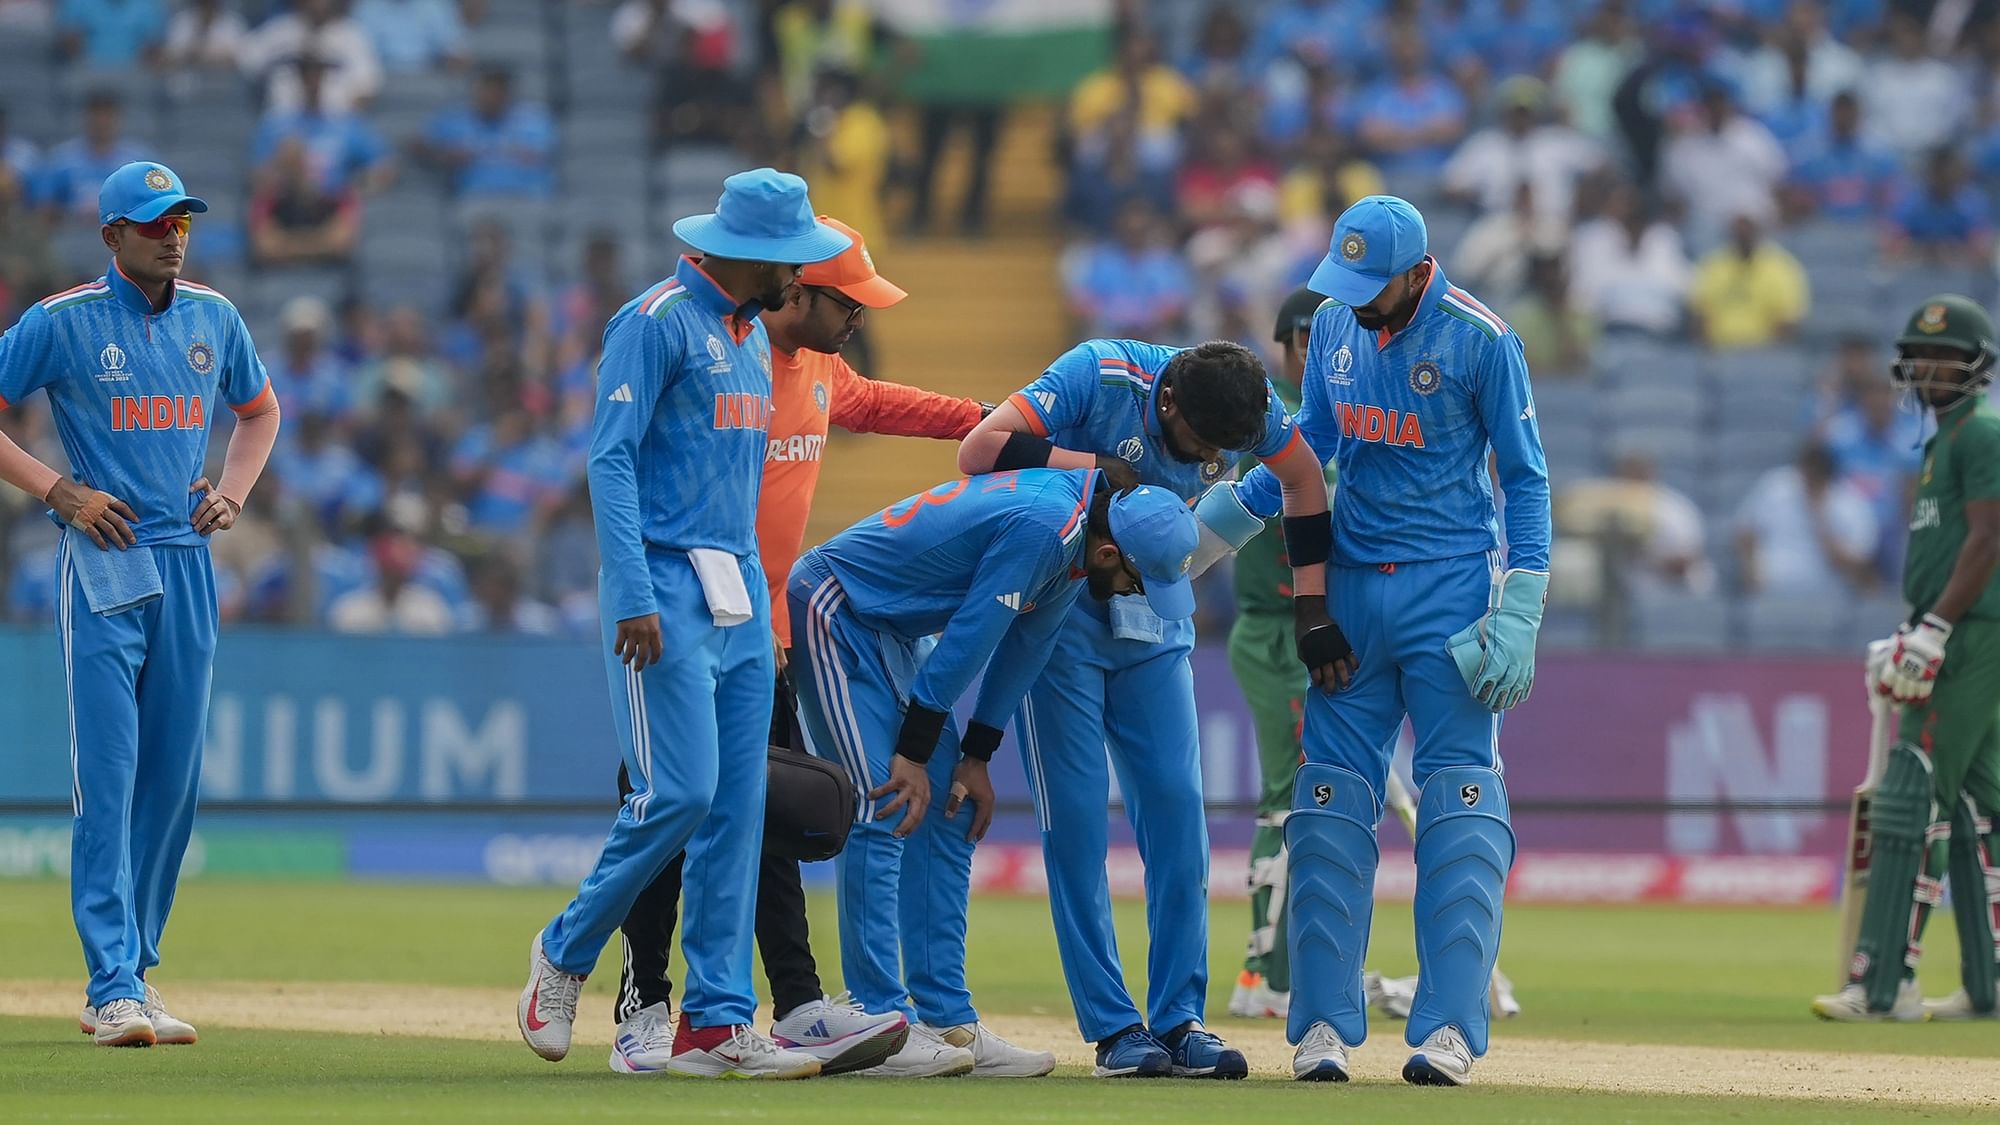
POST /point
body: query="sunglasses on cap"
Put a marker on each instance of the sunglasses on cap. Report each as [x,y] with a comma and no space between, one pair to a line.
[158,228]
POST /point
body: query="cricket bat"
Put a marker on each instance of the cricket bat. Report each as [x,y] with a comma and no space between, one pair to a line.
[1397,796]
[1860,839]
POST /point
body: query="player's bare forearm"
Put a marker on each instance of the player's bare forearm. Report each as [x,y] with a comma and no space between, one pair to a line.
[249,450]
[1977,560]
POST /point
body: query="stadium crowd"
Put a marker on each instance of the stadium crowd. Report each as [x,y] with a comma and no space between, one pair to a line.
[1694,213]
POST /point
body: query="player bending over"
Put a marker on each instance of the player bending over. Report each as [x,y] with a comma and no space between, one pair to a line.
[992,564]
[1933,809]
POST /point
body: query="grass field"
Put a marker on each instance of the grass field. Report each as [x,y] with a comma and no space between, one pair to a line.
[1631,1014]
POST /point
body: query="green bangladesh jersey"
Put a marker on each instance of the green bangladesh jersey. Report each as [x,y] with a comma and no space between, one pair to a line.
[1263,572]
[1961,463]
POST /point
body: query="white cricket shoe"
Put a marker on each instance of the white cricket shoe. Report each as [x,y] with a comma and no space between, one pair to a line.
[925,1055]
[735,1052]
[1958,1007]
[122,1023]
[1850,1005]
[992,1056]
[1500,996]
[1444,1059]
[1394,995]
[645,1041]
[1321,1056]
[1239,997]
[840,1034]
[547,1010]
[167,1030]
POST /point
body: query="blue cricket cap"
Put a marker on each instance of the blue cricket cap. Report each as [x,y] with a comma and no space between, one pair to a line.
[1157,533]
[763,216]
[1373,241]
[141,192]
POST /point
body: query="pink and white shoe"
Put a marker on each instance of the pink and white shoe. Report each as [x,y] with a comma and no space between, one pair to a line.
[840,1034]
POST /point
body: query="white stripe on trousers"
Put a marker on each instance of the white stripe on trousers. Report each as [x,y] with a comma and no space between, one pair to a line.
[1032,743]
[64,609]
[835,701]
[642,742]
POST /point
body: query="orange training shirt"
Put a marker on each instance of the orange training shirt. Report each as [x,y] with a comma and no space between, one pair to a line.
[809,390]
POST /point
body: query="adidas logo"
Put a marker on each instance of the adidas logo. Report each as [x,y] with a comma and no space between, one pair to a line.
[817,1030]
[1045,399]
[1528,413]
[622,394]
[1011,601]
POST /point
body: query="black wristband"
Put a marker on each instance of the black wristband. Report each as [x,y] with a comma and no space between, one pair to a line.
[980,741]
[1023,451]
[918,739]
[1309,539]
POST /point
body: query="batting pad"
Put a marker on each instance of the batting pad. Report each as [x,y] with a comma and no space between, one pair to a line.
[1975,899]
[1465,847]
[1899,818]
[1330,898]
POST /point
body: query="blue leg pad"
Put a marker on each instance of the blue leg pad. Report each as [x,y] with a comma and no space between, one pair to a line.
[1330,897]
[1465,847]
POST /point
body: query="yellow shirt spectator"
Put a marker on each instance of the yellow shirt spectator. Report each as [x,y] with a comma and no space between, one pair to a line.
[1749,293]
[847,170]
[1165,100]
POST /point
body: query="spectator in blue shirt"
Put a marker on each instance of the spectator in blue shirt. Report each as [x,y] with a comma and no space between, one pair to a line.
[108,34]
[19,161]
[306,371]
[1841,175]
[1133,287]
[1879,450]
[323,472]
[1517,37]
[495,148]
[413,35]
[1318,31]
[340,144]
[76,168]
[1221,56]
[1945,219]
[512,476]
[1104,181]
[1413,118]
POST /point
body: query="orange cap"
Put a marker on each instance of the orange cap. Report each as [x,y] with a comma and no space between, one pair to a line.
[852,272]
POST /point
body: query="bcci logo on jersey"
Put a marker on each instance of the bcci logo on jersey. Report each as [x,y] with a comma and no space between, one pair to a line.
[112,362]
[1425,378]
[201,357]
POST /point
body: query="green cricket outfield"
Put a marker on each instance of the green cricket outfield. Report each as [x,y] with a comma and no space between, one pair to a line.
[390,1001]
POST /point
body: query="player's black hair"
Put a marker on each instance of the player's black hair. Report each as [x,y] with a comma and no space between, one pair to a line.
[1220,390]
[1098,521]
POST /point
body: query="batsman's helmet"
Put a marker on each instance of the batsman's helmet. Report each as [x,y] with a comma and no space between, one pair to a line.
[1951,321]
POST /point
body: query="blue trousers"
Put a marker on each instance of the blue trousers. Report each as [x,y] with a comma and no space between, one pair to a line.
[1399,619]
[1136,699]
[906,896]
[692,729]
[138,713]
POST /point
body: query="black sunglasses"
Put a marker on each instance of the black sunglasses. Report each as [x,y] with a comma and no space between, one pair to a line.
[852,308]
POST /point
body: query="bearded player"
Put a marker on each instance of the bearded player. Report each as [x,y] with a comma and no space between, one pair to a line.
[1933,810]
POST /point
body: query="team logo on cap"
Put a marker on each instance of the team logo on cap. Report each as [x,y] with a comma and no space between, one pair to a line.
[1933,319]
[1425,378]
[1131,449]
[1187,562]
[201,357]
[1353,246]
[867,260]
[157,180]
[1343,363]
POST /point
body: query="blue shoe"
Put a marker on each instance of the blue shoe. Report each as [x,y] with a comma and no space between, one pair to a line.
[1133,1053]
[1200,1053]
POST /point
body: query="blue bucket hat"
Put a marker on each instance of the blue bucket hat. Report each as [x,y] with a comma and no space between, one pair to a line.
[141,192]
[1373,241]
[1157,533]
[763,216]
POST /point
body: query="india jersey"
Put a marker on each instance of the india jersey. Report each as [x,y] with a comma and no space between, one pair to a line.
[1961,463]
[677,444]
[993,562]
[1098,397]
[133,390]
[1408,419]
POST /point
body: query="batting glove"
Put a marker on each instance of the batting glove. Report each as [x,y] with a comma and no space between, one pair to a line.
[1913,666]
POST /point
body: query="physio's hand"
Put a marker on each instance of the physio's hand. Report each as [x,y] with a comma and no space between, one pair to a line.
[1322,647]
[100,515]
[638,642]
[1123,476]
[1496,654]
[972,782]
[912,789]
[216,512]
[1913,665]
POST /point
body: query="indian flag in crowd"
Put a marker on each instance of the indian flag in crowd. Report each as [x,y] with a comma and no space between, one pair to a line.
[985,51]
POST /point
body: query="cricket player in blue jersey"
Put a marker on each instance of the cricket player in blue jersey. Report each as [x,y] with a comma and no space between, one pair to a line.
[1410,383]
[1119,677]
[676,463]
[134,364]
[994,563]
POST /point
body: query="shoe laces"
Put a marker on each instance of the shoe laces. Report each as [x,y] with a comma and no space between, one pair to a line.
[749,1044]
[118,1010]
[651,1030]
[153,1002]
[1320,1036]
[559,991]
[1448,1038]
[846,1002]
